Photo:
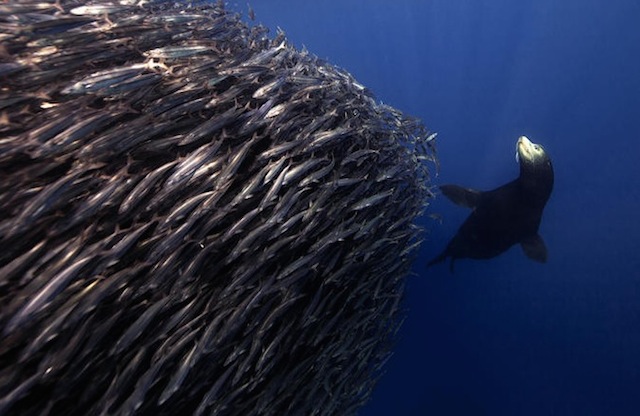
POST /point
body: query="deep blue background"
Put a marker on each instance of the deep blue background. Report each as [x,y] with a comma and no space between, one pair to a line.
[509,336]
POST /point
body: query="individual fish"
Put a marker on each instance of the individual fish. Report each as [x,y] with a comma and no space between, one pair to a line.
[185,169]
[274,189]
[174,52]
[55,285]
[372,200]
[268,89]
[294,173]
[179,376]
[211,126]
[318,175]
[140,325]
[143,187]
[104,79]
[55,26]
[97,9]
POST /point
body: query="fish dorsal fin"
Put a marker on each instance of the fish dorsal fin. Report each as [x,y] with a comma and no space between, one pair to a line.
[535,248]
[464,197]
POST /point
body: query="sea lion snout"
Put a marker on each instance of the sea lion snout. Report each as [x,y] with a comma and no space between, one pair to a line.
[527,150]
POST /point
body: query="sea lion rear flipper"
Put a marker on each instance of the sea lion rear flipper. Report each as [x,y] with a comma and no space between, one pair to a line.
[461,196]
[440,258]
[437,259]
[535,248]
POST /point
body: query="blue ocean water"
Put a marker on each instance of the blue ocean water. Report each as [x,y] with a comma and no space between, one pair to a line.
[509,336]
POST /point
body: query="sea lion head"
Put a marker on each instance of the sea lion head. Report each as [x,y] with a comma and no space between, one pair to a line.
[536,171]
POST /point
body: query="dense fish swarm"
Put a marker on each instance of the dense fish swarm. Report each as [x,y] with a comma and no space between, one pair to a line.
[194,218]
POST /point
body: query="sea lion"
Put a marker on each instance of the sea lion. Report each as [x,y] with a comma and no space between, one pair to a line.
[504,216]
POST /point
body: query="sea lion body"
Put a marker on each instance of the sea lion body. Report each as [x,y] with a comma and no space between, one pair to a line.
[504,216]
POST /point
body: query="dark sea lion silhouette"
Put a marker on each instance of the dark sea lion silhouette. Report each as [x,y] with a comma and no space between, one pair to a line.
[504,216]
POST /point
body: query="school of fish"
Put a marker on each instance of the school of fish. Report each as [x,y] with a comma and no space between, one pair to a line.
[195,218]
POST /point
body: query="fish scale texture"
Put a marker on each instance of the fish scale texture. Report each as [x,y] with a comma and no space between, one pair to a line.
[195,218]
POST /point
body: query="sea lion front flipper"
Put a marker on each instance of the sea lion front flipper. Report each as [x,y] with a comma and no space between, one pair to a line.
[461,196]
[535,248]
